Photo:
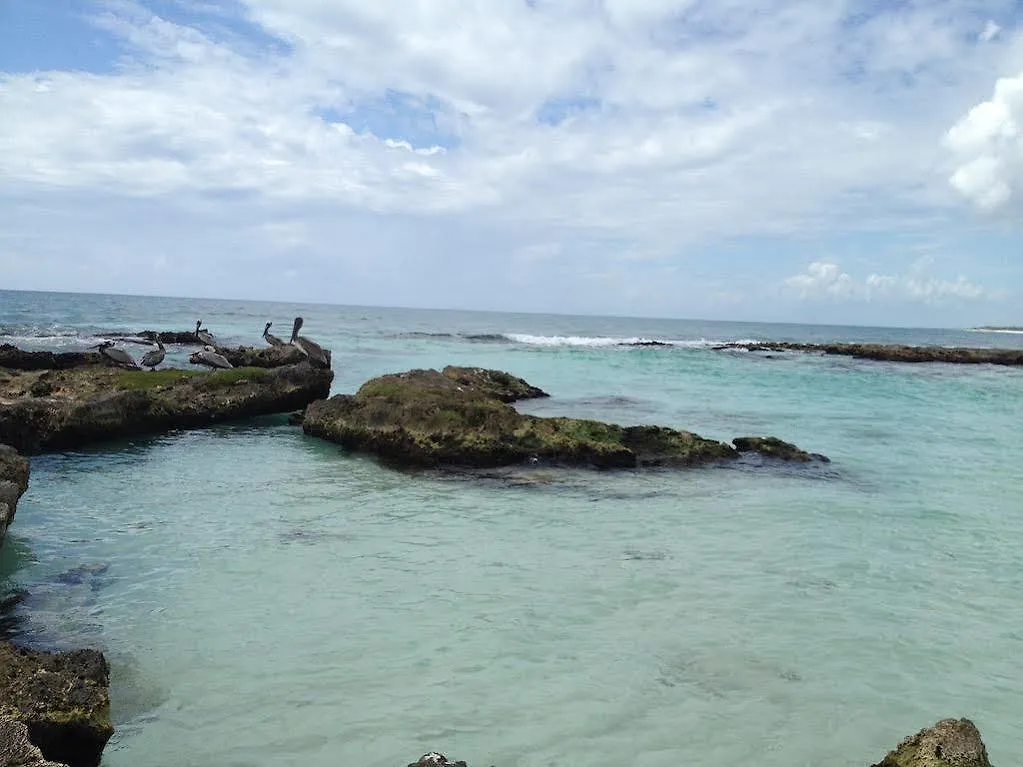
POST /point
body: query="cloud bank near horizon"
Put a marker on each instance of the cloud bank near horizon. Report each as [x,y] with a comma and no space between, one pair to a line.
[677,158]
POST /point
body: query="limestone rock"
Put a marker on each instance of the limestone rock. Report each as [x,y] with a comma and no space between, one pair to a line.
[61,698]
[15,748]
[14,473]
[90,404]
[949,743]
[461,417]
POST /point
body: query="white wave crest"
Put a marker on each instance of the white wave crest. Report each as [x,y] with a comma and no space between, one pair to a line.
[606,341]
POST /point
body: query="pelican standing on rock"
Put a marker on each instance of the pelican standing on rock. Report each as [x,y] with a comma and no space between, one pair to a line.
[203,335]
[120,356]
[209,357]
[308,347]
[270,338]
[154,357]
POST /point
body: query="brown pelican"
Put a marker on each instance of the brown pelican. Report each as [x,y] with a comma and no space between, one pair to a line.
[270,337]
[120,356]
[203,335]
[209,357]
[308,347]
[154,357]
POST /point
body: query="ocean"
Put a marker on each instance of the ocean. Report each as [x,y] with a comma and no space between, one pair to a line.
[265,598]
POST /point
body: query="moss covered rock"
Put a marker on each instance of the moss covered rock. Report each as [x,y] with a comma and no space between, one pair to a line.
[61,698]
[85,405]
[13,483]
[949,743]
[461,417]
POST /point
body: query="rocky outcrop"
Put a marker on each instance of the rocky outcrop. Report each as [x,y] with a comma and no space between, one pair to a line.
[894,353]
[772,447]
[261,357]
[494,383]
[13,358]
[61,698]
[86,405]
[170,336]
[15,748]
[435,759]
[461,417]
[949,743]
[13,483]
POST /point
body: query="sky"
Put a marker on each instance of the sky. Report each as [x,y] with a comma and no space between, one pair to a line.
[825,161]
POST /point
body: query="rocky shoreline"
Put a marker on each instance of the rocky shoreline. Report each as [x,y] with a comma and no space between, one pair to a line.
[55,708]
[892,352]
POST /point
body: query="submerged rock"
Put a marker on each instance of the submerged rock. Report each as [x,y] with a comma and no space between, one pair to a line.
[61,698]
[90,404]
[261,357]
[14,473]
[949,743]
[15,748]
[461,417]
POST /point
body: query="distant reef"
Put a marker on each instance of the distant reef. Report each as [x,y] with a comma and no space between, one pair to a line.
[462,417]
[892,352]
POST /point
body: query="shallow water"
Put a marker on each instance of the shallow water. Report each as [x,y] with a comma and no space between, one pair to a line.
[265,598]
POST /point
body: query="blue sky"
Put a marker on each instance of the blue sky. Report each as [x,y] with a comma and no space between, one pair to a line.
[796,160]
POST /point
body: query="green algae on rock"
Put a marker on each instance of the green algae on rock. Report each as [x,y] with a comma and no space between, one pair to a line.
[772,447]
[14,473]
[461,417]
[61,409]
[949,743]
[261,357]
[61,698]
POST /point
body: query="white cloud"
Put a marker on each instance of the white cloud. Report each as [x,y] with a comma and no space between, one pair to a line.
[674,126]
[988,145]
[825,280]
[990,32]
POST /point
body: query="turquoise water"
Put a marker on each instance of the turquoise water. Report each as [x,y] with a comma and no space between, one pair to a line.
[266,599]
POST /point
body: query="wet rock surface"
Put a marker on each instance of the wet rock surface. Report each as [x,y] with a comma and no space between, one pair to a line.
[62,700]
[894,353]
[13,358]
[772,447]
[461,417]
[949,743]
[14,472]
[86,405]
[15,748]
[261,357]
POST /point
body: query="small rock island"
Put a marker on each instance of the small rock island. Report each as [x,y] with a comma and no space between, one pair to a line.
[463,417]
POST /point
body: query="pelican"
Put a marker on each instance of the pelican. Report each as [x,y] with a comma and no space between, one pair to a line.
[209,357]
[270,337]
[308,347]
[120,356]
[154,357]
[203,335]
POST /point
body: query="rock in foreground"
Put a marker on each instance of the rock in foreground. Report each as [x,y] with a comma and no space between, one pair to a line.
[15,748]
[57,410]
[13,483]
[61,698]
[461,417]
[949,743]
